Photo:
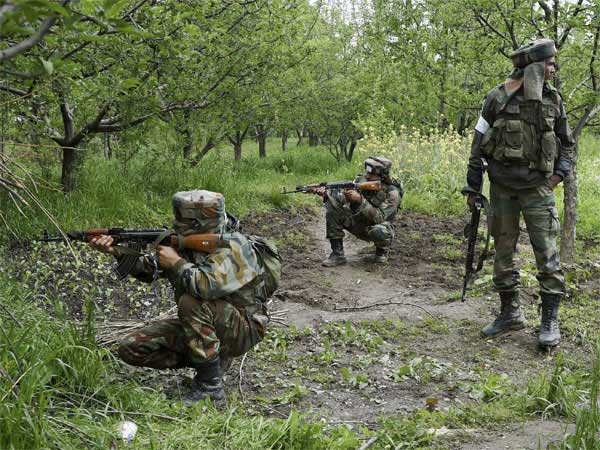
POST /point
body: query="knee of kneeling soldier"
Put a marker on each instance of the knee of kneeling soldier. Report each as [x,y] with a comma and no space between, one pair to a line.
[188,305]
[379,233]
[126,350]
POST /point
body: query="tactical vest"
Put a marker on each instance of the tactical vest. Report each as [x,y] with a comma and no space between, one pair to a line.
[523,134]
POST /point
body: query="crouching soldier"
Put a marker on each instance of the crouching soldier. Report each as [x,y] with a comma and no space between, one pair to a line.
[220,296]
[368,215]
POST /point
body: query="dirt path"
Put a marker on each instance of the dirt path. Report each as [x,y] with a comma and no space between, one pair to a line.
[353,365]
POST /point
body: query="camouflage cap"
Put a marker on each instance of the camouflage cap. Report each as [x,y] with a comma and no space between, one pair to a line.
[534,51]
[199,211]
[378,165]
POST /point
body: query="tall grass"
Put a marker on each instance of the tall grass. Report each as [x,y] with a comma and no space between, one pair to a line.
[432,168]
[138,193]
[58,390]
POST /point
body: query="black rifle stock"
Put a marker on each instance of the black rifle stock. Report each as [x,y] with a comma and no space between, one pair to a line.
[470,232]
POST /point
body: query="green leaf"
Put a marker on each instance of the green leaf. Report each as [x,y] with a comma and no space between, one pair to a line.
[48,66]
[130,83]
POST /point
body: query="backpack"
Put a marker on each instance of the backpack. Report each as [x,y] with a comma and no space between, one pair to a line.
[269,259]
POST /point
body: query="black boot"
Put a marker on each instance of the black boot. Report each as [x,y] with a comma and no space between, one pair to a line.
[381,255]
[207,383]
[549,332]
[511,317]
[336,258]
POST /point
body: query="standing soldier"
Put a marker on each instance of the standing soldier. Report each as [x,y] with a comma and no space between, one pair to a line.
[220,297]
[524,136]
[368,215]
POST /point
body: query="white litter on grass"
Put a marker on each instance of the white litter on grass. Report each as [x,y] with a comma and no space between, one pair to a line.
[127,430]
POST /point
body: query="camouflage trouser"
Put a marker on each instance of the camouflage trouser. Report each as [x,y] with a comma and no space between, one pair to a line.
[204,330]
[340,218]
[541,218]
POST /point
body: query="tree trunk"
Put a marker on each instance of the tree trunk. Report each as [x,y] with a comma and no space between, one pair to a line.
[300,134]
[237,143]
[313,138]
[237,151]
[210,144]
[69,162]
[350,154]
[108,152]
[188,143]
[187,132]
[284,139]
[261,136]
[69,166]
[569,230]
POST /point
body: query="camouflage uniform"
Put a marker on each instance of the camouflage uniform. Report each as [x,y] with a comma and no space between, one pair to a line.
[217,310]
[372,220]
[219,297]
[524,136]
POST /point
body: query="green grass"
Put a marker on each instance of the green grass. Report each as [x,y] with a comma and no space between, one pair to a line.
[59,390]
[138,192]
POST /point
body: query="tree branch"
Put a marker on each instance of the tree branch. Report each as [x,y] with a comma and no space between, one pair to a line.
[567,31]
[21,47]
[593,59]
[547,11]
[14,91]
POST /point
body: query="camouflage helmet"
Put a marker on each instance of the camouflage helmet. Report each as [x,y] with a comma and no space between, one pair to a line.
[199,211]
[534,51]
[378,165]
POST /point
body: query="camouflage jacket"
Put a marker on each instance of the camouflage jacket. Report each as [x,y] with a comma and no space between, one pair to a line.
[231,273]
[496,108]
[377,206]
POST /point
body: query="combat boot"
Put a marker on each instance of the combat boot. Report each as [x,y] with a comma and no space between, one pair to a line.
[207,383]
[336,258]
[511,317]
[549,331]
[381,255]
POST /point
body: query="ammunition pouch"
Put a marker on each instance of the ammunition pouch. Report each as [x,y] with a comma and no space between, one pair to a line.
[523,135]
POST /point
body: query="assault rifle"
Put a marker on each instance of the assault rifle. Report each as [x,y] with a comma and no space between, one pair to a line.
[470,233]
[205,243]
[136,240]
[345,185]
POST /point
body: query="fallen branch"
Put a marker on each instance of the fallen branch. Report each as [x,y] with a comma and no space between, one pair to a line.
[369,443]
[376,305]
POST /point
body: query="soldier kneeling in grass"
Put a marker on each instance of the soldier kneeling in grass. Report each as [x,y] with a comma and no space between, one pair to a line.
[220,295]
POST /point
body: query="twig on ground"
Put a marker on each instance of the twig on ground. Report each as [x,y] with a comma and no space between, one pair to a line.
[273,410]
[369,443]
[240,379]
[11,315]
[375,305]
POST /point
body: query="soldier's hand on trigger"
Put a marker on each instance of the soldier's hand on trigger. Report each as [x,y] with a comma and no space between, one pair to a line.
[167,256]
[353,196]
[321,191]
[103,243]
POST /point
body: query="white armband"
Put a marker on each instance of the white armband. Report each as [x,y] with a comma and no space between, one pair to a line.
[482,125]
